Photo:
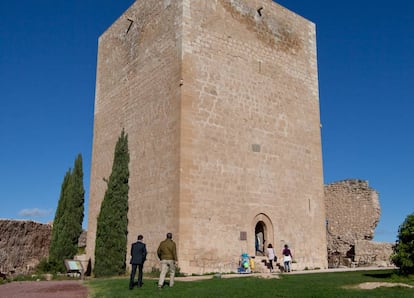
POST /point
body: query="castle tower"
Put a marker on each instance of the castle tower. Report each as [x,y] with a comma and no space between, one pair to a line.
[220,103]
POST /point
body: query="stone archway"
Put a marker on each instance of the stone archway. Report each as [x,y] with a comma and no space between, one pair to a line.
[263,233]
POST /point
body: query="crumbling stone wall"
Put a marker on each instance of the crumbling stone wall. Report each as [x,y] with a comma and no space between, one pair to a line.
[370,252]
[352,213]
[22,245]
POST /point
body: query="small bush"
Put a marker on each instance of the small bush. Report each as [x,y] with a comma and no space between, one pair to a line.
[155,272]
[178,272]
[49,266]
[403,256]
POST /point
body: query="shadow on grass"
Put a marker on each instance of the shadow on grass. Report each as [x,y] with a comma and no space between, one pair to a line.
[380,275]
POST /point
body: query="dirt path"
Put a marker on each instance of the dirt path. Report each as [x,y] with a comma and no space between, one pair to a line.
[44,289]
[374,285]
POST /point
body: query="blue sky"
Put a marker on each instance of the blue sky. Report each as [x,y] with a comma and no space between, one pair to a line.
[48,52]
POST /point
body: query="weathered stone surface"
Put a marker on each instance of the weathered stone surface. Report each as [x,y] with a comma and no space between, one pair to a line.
[82,239]
[221,106]
[22,245]
[373,253]
[352,213]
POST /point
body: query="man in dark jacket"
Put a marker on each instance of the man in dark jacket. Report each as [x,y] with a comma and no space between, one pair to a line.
[138,257]
[167,253]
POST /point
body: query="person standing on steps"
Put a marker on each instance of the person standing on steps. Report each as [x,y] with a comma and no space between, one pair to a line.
[167,253]
[138,257]
[270,253]
[287,257]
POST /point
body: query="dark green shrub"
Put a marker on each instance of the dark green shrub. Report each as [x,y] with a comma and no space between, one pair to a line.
[112,222]
[67,224]
[403,256]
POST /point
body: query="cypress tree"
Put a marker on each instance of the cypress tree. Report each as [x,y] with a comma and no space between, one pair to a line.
[54,251]
[76,207]
[112,222]
[67,225]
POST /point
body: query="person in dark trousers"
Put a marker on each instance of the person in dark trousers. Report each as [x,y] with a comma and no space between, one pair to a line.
[138,257]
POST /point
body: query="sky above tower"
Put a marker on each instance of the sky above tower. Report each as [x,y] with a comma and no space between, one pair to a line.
[48,53]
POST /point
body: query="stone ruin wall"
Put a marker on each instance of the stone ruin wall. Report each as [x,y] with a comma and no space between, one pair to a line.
[353,211]
[22,245]
[370,252]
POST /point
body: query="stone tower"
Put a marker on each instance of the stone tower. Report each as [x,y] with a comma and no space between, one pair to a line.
[220,103]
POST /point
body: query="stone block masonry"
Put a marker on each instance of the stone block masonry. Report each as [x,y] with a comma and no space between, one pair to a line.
[352,212]
[23,244]
[220,103]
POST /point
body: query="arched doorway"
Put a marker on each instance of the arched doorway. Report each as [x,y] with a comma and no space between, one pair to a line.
[263,233]
[259,232]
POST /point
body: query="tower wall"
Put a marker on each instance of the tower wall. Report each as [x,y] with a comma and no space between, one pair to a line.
[250,129]
[220,103]
[138,89]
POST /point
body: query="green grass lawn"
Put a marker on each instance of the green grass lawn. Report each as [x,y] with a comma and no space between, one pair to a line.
[294,285]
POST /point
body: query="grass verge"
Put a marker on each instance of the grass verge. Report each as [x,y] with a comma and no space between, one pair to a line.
[338,284]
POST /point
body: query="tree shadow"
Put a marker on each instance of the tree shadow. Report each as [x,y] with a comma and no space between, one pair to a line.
[381,275]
